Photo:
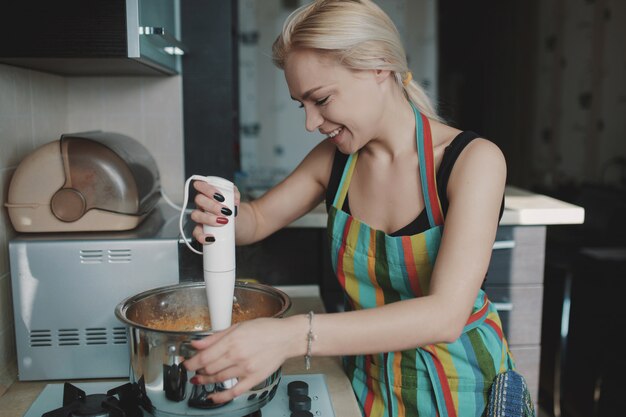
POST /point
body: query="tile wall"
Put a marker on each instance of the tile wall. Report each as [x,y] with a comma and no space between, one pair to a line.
[36,108]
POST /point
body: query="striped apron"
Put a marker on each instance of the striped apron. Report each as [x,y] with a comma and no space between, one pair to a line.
[374,269]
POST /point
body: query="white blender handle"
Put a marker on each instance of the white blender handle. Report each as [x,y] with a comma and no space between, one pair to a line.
[218,259]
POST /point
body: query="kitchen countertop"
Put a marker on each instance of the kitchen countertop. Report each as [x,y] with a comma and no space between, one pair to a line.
[521,208]
[20,395]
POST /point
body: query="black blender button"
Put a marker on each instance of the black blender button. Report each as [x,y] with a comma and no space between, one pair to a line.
[298,388]
[299,403]
[301,414]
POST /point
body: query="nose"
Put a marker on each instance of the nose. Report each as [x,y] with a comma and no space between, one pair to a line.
[313,119]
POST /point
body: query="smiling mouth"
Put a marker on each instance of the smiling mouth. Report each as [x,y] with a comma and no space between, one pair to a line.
[335,132]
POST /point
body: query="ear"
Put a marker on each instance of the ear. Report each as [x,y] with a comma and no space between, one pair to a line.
[381,75]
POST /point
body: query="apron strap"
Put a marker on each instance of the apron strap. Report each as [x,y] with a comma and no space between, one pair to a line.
[428,174]
[344,184]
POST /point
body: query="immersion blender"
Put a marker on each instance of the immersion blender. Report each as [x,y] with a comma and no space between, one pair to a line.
[218,258]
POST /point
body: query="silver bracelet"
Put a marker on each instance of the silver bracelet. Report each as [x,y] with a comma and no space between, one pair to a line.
[310,337]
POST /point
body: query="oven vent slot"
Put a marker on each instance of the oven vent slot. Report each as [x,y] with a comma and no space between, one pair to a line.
[120,336]
[68,337]
[96,336]
[91,256]
[117,256]
[73,337]
[40,338]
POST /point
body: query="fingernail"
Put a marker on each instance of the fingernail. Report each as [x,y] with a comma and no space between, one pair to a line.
[194,380]
[222,220]
[209,239]
[236,211]
[226,211]
[219,197]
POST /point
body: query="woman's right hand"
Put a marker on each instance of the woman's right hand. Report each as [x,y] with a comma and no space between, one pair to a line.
[210,210]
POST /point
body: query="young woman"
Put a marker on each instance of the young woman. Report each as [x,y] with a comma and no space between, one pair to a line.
[413,208]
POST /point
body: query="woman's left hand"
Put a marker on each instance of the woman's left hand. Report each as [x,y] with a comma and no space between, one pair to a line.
[249,351]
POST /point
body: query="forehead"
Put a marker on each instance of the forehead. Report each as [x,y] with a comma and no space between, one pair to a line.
[306,69]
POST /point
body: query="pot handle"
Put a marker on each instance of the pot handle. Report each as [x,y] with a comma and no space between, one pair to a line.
[174,382]
[186,350]
[199,393]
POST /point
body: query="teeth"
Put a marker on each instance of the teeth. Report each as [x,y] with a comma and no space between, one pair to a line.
[335,132]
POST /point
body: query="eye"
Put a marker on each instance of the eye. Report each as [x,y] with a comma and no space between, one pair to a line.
[322,101]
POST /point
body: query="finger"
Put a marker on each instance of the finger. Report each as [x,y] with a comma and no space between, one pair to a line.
[205,204]
[208,204]
[207,341]
[203,377]
[237,196]
[208,190]
[204,188]
[243,386]
[198,234]
[211,356]
[208,219]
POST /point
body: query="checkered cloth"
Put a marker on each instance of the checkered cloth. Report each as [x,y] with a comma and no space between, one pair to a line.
[509,397]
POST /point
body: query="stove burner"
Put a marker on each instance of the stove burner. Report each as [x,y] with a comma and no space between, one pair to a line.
[77,404]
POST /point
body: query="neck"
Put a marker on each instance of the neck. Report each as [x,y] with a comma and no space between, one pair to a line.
[396,136]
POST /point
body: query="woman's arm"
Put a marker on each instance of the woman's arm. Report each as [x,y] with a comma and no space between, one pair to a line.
[295,196]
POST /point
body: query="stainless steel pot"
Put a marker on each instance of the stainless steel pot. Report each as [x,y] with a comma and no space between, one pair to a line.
[156,355]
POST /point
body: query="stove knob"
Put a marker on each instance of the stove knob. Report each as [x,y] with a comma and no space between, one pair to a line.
[298,388]
[301,414]
[299,403]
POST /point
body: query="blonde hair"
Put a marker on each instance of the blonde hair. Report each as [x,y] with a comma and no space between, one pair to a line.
[359,34]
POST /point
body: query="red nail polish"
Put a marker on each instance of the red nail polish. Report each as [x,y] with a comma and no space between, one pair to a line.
[194,380]
[222,220]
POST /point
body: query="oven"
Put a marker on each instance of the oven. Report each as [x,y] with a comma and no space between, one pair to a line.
[66,286]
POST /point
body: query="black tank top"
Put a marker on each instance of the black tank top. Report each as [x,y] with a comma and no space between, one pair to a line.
[420,224]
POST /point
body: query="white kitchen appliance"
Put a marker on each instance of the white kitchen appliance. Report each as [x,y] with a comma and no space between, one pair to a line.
[218,258]
[66,286]
[90,181]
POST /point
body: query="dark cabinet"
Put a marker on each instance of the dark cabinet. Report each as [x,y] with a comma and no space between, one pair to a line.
[95,37]
[515,285]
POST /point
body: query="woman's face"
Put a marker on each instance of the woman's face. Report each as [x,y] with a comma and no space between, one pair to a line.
[344,105]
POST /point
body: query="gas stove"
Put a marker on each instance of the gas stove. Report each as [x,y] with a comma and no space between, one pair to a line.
[295,396]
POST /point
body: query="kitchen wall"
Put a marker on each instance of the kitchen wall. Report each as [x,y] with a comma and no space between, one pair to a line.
[579,129]
[36,108]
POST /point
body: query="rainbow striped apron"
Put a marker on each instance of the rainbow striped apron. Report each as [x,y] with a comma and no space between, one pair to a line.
[375,269]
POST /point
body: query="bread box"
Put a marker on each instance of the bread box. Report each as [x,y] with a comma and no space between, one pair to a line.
[90,181]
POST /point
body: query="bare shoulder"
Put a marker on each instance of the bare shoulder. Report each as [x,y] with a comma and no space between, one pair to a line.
[482,155]
[480,165]
[318,163]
